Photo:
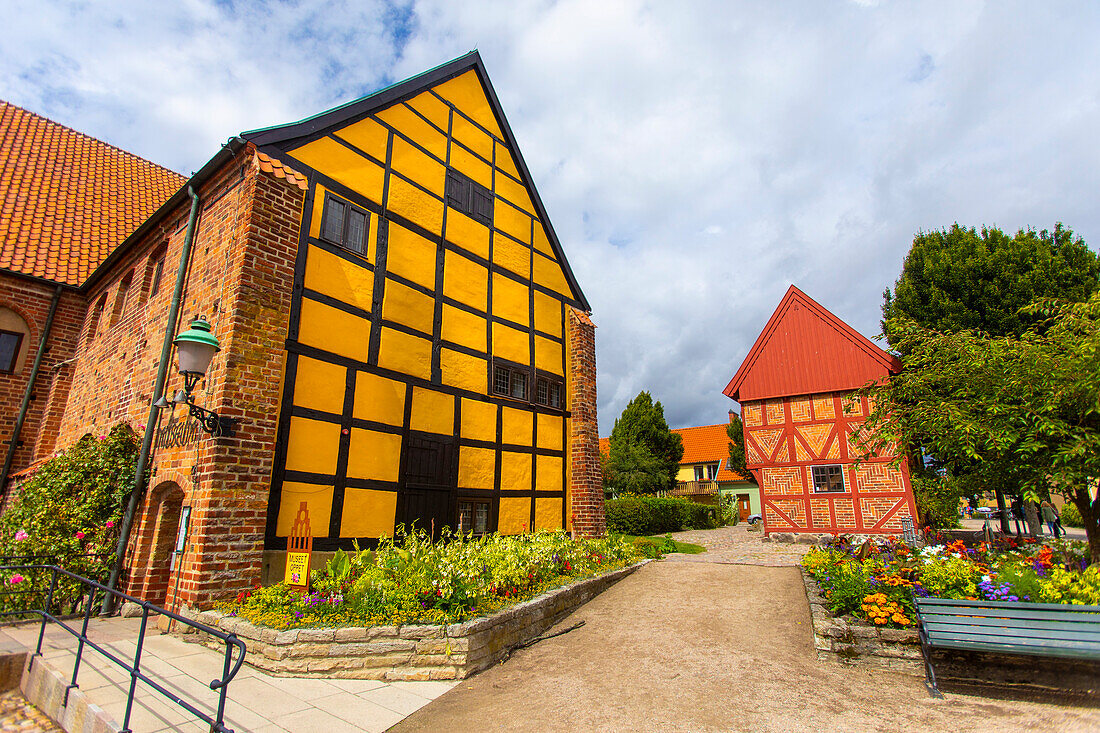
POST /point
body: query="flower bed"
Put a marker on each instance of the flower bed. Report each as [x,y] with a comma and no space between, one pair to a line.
[413,580]
[876,582]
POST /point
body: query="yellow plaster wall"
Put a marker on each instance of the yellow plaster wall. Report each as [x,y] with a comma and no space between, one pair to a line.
[511,220]
[410,125]
[515,471]
[418,166]
[514,515]
[374,455]
[479,420]
[476,467]
[550,429]
[368,136]
[471,165]
[517,426]
[408,201]
[465,280]
[511,300]
[313,446]
[548,314]
[333,330]
[319,385]
[464,328]
[469,234]
[342,164]
[318,501]
[368,513]
[511,344]
[548,513]
[408,307]
[410,256]
[431,107]
[379,399]
[548,356]
[548,273]
[548,475]
[504,161]
[469,135]
[432,412]
[464,371]
[334,276]
[405,353]
[465,92]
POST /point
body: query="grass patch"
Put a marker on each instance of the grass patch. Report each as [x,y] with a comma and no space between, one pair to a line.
[655,546]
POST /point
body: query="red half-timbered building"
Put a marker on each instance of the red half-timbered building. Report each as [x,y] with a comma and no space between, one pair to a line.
[800,412]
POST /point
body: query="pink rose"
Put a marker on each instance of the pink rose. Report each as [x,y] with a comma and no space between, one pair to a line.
[21,535]
[17,578]
[110,523]
[80,535]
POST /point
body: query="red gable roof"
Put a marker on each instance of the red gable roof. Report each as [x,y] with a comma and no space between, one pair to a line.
[805,349]
[68,200]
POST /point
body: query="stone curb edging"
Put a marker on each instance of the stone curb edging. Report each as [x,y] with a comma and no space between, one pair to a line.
[44,687]
[411,652]
[851,640]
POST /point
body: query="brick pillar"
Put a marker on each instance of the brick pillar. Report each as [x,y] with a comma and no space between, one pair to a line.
[230,506]
[585,478]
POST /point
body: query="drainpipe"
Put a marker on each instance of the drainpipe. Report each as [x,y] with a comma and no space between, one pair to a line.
[154,411]
[30,389]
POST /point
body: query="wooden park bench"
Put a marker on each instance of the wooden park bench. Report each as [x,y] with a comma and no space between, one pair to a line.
[1006,627]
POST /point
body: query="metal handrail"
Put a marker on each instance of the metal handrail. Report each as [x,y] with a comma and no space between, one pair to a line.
[229,670]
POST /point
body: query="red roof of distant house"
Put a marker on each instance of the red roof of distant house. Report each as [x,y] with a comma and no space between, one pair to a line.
[805,349]
[68,199]
[703,444]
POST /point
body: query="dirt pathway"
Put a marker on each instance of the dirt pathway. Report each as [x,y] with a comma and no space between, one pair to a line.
[692,646]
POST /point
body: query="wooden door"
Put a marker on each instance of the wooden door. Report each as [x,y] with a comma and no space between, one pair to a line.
[427,500]
[743,505]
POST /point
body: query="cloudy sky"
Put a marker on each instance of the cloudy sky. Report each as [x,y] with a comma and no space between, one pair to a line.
[695,157]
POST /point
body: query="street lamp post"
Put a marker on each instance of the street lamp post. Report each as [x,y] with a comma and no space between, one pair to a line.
[195,348]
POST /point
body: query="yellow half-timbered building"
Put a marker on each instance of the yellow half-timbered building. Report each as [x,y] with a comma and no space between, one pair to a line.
[427,376]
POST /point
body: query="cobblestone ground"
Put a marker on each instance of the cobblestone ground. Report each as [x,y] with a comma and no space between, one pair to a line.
[19,716]
[738,546]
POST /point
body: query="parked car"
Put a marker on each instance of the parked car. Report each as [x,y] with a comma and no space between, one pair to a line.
[754,519]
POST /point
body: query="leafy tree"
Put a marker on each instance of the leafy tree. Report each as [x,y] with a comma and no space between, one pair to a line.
[961,279]
[736,433]
[1008,412]
[643,454]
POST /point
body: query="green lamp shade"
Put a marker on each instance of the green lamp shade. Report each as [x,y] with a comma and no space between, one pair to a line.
[195,347]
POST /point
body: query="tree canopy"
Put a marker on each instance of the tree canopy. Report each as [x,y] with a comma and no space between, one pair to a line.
[736,432]
[643,453]
[961,279]
[1009,412]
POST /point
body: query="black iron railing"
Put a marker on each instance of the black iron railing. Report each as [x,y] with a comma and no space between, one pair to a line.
[229,667]
[21,592]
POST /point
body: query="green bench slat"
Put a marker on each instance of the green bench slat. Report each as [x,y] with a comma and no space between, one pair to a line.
[1015,613]
[1014,625]
[1060,607]
[983,633]
[1057,651]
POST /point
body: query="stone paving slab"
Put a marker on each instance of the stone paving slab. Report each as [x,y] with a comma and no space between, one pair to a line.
[738,546]
[256,701]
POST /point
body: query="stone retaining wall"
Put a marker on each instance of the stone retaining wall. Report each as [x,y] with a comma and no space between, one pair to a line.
[849,640]
[447,652]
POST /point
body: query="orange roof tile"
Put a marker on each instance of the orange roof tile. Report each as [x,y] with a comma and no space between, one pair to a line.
[703,444]
[706,444]
[66,199]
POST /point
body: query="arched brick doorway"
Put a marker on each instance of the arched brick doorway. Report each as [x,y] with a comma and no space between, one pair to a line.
[153,566]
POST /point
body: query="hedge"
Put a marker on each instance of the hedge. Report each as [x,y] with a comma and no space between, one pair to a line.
[644,515]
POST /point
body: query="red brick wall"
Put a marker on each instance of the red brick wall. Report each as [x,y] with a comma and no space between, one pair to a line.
[240,277]
[784,437]
[31,300]
[585,481]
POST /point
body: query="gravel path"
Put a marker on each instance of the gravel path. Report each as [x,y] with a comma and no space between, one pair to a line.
[697,646]
[739,546]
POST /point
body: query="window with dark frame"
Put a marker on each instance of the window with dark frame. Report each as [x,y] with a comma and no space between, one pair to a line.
[515,381]
[548,392]
[156,267]
[473,516]
[10,342]
[345,224]
[464,194]
[827,479]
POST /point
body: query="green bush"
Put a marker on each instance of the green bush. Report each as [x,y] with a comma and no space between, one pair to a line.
[1071,517]
[937,501]
[68,514]
[645,515]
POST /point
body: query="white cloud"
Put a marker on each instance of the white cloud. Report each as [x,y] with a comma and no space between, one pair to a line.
[695,158]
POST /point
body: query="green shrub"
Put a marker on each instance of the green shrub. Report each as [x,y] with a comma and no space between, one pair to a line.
[645,515]
[937,501]
[68,513]
[1071,517]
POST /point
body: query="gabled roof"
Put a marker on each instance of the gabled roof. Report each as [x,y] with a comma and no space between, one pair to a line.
[281,138]
[805,349]
[707,444]
[68,199]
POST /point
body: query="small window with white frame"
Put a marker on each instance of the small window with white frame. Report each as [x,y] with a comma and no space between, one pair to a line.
[827,479]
